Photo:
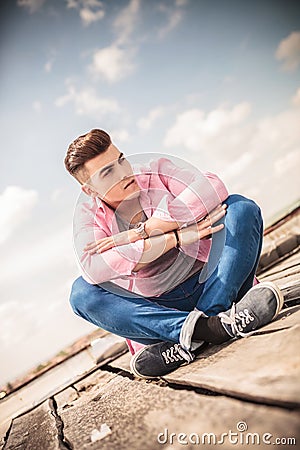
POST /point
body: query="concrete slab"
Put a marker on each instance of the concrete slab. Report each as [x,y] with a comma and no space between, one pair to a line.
[263,368]
[292,261]
[143,415]
[38,390]
[36,430]
[122,363]
[66,398]
[96,379]
[56,379]
[287,318]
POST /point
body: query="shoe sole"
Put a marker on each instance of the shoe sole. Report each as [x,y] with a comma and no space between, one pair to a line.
[133,369]
[277,292]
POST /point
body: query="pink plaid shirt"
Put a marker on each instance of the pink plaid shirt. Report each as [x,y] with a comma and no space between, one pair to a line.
[167,192]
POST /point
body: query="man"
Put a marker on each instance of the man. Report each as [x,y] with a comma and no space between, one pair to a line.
[165,261]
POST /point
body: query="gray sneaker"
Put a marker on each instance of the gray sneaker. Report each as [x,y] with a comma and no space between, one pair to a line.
[259,306]
[159,359]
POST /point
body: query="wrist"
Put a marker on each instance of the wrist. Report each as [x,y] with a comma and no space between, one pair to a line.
[177,238]
[139,231]
[133,236]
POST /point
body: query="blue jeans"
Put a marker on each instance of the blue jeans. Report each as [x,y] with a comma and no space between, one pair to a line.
[171,316]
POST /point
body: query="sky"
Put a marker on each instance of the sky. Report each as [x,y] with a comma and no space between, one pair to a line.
[214,83]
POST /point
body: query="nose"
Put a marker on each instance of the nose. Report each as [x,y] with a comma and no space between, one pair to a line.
[124,171]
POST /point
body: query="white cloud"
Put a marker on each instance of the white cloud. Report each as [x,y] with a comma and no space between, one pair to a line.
[146,123]
[42,262]
[289,161]
[87,102]
[116,61]
[56,195]
[254,157]
[120,135]
[238,165]
[88,16]
[31,5]
[89,10]
[296,98]
[196,129]
[229,79]
[126,21]
[13,313]
[37,106]
[281,132]
[288,51]
[174,16]
[112,63]
[40,255]
[16,205]
[181,2]
[49,63]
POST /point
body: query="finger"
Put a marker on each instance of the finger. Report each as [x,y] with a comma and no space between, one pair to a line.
[92,251]
[218,216]
[107,244]
[211,219]
[217,210]
[98,245]
[212,214]
[105,247]
[92,245]
[217,228]
[210,230]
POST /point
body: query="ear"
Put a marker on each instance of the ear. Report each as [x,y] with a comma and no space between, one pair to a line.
[89,190]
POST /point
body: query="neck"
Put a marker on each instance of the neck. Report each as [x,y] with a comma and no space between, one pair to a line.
[130,210]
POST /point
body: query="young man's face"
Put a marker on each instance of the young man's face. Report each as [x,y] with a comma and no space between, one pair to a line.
[110,177]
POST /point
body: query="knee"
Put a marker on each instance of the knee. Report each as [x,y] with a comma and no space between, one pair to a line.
[243,208]
[89,301]
[79,293]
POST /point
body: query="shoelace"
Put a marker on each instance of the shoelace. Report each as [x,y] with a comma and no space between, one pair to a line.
[172,354]
[237,321]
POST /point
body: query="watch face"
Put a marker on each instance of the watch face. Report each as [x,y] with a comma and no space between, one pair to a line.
[140,229]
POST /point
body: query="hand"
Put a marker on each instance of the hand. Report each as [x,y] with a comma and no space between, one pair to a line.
[202,229]
[103,244]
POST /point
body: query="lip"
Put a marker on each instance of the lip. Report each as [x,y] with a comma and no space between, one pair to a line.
[129,183]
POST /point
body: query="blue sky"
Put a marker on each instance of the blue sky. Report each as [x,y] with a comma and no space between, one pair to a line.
[215,83]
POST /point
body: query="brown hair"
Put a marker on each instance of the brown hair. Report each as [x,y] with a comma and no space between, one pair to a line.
[84,148]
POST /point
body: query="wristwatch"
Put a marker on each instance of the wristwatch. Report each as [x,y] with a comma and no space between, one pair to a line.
[140,230]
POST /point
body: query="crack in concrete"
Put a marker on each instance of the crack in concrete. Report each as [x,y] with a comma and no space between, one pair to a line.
[274,330]
[236,396]
[64,444]
[5,438]
[162,382]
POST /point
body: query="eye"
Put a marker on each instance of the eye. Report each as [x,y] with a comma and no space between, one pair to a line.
[107,172]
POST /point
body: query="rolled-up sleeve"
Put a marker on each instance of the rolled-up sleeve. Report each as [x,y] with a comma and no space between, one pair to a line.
[194,194]
[112,264]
